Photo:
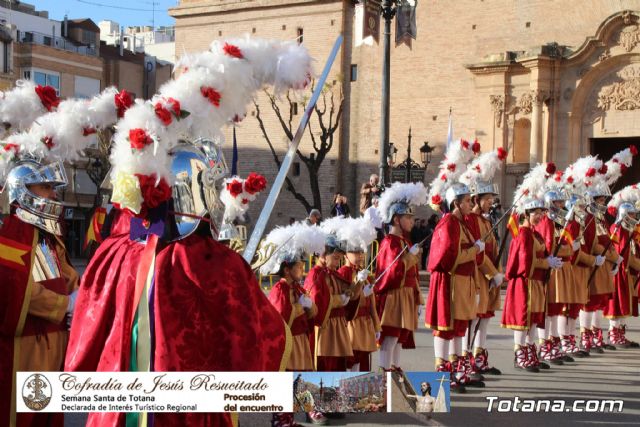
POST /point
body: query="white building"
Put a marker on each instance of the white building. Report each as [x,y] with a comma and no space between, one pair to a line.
[159,42]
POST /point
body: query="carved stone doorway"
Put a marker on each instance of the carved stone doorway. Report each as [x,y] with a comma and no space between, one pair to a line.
[605,148]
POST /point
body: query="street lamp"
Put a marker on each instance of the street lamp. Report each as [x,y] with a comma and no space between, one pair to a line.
[409,168]
[425,154]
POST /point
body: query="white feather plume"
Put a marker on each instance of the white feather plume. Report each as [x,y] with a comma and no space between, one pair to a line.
[454,164]
[533,185]
[630,194]
[357,232]
[483,168]
[414,194]
[20,106]
[619,161]
[374,217]
[292,241]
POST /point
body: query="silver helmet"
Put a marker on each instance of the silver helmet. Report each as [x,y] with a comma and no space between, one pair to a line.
[600,190]
[533,203]
[557,214]
[577,204]
[625,210]
[198,169]
[40,211]
[484,187]
[457,189]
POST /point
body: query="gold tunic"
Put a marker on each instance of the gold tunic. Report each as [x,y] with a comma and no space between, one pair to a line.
[332,338]
[489,298]
[400,305]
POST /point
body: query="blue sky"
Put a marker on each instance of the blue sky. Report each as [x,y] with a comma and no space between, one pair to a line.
[327,377]
[431,377]
[115,10]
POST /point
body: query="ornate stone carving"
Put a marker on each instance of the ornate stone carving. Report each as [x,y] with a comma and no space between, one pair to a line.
[525,103]
[629,37]
[497,106]
[628,17]
[540,96]
[604,55]
[623,94]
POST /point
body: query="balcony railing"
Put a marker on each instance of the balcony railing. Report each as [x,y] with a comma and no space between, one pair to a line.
[55,42]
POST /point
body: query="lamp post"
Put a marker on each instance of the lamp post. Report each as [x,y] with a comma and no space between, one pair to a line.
[409,165]
[388,12]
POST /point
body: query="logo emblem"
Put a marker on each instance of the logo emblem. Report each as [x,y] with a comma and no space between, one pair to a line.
[36,392]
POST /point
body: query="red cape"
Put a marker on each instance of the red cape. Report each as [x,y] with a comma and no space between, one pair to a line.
[210,315]
[515,314]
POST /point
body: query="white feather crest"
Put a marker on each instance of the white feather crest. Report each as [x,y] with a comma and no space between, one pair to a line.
[414,194]
[236,206]
[483,167]
[454,164]
[20,106]
[357,232]
[373,216]
[333,224]
[616,163]
[533,185]
[630,194]
[292,241]
[583,174]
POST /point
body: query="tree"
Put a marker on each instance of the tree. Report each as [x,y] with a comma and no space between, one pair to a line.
[322,126]
[98,164]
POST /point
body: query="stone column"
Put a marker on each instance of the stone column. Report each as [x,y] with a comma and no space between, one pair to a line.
[535,149]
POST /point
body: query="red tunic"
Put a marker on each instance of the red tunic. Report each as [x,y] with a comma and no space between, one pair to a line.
[210,315]
[524,280]
[619,305]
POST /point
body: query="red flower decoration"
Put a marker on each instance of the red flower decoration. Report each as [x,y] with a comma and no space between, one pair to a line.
[139,139]
[551,168]
[255,183]
[436,200]
[451,167]
[623,168]
[10,146]
[611,210]
[245,201]
[570,180]
[502,154]
[614,160]
[475,147]
[175,106]
[443,177]
[477,168]
[48,97]
[603,170]
[591,172]
[88,131]
[153,195]
[232,50]
[526,191]
[123,101]
[465,144]
[48,141]
[558,176]
[211,94]
[234,187]
[634,150]
[163,114]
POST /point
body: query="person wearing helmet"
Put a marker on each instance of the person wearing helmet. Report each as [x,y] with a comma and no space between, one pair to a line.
[620,305]
[330,293]
[38,289]
[451,303]
[489,277]
[526,270]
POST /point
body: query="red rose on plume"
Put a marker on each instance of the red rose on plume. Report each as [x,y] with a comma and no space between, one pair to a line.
[153,195]
[123,101]
[551,168]
[163,114]
[232,50]
[603,170]
[634,150]
[48,141]
[234,187]
[245,201]
[611,210]
[465,144]
[175,106]
[623,168]
[502,153]
[436,200]
[88,131]
[614,160]
[10,146]
[591,172]
[451,167]
[478,168]
[255,183]
[48,97]
[558,176]
[211,94]
[570,180]
[139,139]
[475,147]
[443,177]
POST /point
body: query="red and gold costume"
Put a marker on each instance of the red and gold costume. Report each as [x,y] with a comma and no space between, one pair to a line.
[585,259]
[601,286]
[284,297]
[452,291]
[487,261]
[363,322]
[33,336]
[332,345]
[619,304]
[201,321]
[524,304]
[634,273]
[397,293]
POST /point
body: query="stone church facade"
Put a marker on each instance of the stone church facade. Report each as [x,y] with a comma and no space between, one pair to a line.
[548,80]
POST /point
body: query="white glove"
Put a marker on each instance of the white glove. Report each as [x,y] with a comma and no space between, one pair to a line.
[600,260]
[305,301]
[377,335]
[414,250]
[619,260]
[480,245]
[419,311]
[362,275]
[367,290]
[615,270]
[72,302]
[345,299]
[497,280]
[576,245]
[554,262]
